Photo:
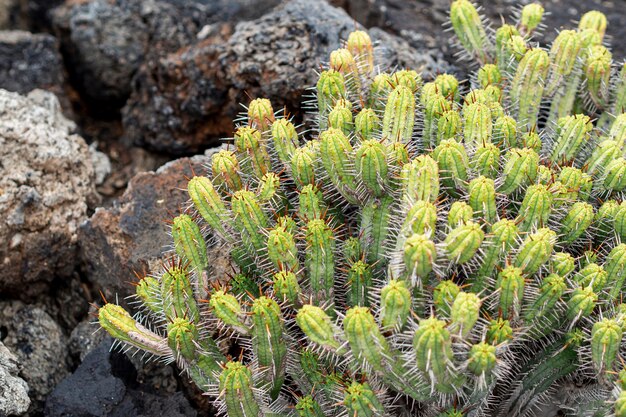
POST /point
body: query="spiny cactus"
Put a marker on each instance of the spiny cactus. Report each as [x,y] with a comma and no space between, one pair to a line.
[437,248]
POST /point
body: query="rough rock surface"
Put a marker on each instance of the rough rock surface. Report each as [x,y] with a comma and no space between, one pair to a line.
[40,346]
[106,384]
[106,41]
[133,235]
[46,183]
[29,61]
[185,100]
[422,22]
[13,389]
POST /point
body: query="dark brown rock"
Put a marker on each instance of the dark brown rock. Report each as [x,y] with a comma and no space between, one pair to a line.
[186,100]
[133,235]
[105,41]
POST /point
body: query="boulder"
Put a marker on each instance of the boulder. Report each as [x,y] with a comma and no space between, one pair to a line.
[185,101]
[132,237]
[13,389]
[40,346]
[46,186]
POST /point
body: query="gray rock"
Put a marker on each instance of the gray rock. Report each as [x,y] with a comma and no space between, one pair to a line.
[85,337]
[39,345]
[106,41]
[186,100]
[106,384]
[13,389]
[29,61]
[46,184]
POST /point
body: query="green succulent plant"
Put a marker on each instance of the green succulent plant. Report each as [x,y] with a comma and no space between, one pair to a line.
[437,248]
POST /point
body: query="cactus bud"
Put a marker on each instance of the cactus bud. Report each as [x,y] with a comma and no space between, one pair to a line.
[285,139]
[459,214]
[182,337]
[360,401]
[236,388]
[119,324]
[463,242]
[469,29]
[581,303]
[598,74]
[317,326]
[367,124]
[189,242]
[433,347]
[286,287]
[489,74]
[562,263]
[576,222]
[606,338]
[253,153]
[281,249]
[340,117]
[448,125]
[448,86]
[260,114]
[359,283]
[371,165]
[595,21]
[395,304]
[615,175]
[520,169]
[249,217]
[486,160]
[563,54]
[319,259]
[527,86]
[478,126]
[531,17]
[208,203]
[499,331]
[268,342]
[535,250]
[335,150]
[177,294]
[303,163]
[330,88]
[505,131]
[453,164]
[360,45]
[399,116]
[464,314]
[420,179]
[482,358]
[592,275]
[308,407]
[444,295]
[482,198]
[572,132]
[536,207]
[419,255]
[511,284]
[225,169]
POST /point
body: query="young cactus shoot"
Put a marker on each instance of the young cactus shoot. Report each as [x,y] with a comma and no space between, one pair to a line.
[427,247]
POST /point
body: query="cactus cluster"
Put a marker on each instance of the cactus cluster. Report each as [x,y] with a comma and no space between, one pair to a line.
[437,248]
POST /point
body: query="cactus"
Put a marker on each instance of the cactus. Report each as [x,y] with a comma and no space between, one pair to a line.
[422,252]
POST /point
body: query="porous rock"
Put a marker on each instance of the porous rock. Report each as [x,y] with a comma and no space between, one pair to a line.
[40,346]
[46,185]
[186,100]
[132,237]
[106,41]
[29,61]
[13,389]
[106,384]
